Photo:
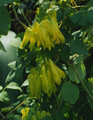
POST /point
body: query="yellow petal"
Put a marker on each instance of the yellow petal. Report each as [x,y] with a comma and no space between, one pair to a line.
[26,38]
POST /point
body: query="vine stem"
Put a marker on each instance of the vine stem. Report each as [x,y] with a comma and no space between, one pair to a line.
[16,16]
[82,82]
[17,106]
[24,17]
[57,101]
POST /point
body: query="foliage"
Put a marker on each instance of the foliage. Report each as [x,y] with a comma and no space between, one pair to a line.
[46,69]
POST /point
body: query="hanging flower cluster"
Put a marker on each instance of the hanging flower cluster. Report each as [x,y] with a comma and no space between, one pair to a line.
[45,80]
[45,34]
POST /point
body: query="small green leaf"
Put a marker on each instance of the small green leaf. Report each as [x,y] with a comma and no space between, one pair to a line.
[1,87]
[6,109]
[12,65]
[2,47]
[4,96]
[25,83]
[10,77]
[13,86]
[70,92]
[78,47]
[81,70]
[5,20]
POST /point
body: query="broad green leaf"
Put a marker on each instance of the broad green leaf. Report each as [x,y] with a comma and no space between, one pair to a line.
[90,16]
[13,86]
[3,2]
[4,96]
[1,87]
[84,20]
[12,65]
[78,47]
[78,59]
[70,92]
[64,53]
[5,20]
[59,116]
[76,17]
[25,83]
[2,47]
[81,70]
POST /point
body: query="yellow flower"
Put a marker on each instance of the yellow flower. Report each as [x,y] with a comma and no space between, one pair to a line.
[26,37]
[34,83]
[45,34]
[46,79]
[25,113]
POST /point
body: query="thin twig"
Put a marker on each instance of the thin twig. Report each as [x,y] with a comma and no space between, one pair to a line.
[16,16]
[2,116]
[81,6]
[82,82]
[24,16]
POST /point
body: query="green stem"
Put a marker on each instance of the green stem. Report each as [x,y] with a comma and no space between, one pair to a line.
[16,16]
[2,116]
[57,101]
[24,17]
[17,107]
[82,82]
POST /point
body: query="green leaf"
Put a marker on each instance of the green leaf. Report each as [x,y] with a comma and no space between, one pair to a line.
[90,16]
[2,47]
[70,92]
[78,47]
[13,86]
[46,118]
[3,2]
[76,17]
[64,53]
[25,83]
[10,77]
[4,96]
[1,87]
[58,115]
[59,15]
[81,70]
[12,65]
[5,20]
[90,102]
[19,71]
[6,109]
[84,20]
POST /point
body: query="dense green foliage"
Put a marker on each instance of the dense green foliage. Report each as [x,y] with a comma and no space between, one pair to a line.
[73,99]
